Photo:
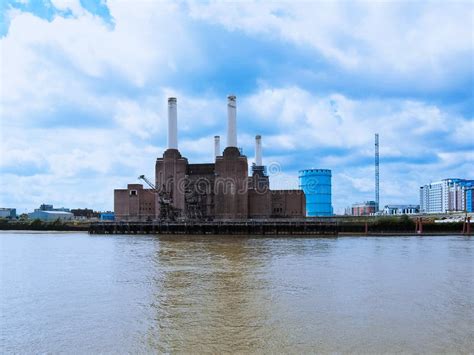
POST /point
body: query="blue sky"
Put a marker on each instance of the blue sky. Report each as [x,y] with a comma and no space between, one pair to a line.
[84,86]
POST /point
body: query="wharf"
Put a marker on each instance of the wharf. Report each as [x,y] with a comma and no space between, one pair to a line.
[289,227]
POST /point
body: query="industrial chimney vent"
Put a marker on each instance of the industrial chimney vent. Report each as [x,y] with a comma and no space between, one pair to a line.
[172,123]
[231,121]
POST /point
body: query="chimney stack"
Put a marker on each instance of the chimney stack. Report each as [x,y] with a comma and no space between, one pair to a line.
[258,150]
[231,121]
[172,123]
[217,146]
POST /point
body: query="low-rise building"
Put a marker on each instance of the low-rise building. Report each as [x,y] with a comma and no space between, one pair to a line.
[107,216]
[84,213]
[49,213]
[49,216]
[400,209]
[364,209]
[8,213]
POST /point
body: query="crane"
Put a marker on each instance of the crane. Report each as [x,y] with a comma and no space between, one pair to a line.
[167,210]
[149,183]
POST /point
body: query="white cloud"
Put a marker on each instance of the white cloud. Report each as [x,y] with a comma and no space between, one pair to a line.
[143,122]
[336,121]
[395,39]
[45,63]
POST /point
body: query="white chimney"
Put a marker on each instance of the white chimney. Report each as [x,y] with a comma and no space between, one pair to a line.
[258,150]
[172,123]
[231,121]
[217,146]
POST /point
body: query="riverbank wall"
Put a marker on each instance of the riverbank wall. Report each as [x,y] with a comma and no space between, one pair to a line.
[305,226]
[329,227]
[37,225]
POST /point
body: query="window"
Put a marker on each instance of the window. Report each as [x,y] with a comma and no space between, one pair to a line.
[133,192]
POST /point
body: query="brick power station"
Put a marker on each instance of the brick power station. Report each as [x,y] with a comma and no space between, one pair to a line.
[209,191]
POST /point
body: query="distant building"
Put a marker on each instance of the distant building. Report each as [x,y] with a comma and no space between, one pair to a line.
[8,213]
[401,209]
[84,213]
[50,216]
[45,207]
[49,213]
[470,199]
[107,216]
[316,184]
[445,196]
[364,208]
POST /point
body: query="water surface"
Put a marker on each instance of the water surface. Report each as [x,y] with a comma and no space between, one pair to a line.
[71,292]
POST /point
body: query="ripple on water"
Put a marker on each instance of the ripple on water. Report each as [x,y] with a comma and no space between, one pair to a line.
[73,292]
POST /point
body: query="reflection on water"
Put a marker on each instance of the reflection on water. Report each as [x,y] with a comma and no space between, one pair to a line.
[74,292]
[212,296]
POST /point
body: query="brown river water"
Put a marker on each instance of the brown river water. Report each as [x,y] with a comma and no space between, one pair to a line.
[75,293]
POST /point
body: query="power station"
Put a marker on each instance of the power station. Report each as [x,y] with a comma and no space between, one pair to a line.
[221,190]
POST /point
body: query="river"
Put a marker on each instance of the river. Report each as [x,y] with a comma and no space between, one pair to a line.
[75,293]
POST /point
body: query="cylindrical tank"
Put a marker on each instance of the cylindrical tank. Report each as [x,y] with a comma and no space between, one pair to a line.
[316,184]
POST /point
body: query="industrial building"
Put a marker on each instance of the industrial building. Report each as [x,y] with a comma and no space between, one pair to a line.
[49,213]
[447,195]
[316,184]
[220,190]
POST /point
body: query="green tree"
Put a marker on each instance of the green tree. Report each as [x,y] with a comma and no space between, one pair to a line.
[37,223]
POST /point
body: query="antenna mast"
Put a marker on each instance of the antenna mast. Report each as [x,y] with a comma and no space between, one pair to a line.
[377,176]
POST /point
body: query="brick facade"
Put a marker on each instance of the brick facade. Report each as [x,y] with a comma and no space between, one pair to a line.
[134,203]
[221,190]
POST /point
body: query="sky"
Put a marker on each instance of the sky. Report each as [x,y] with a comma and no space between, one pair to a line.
[84,88]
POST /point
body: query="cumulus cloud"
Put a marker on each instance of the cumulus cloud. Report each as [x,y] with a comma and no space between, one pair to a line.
[47,62]
[340,122]
[389,38]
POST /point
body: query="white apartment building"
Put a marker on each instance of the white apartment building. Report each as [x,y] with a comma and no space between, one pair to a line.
[444,196]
